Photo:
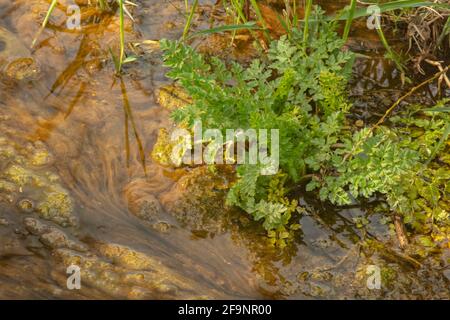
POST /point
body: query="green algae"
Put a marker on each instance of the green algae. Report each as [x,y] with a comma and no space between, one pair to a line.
[21,177]
[57,206]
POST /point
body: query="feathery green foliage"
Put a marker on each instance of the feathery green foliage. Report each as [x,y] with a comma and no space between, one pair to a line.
[300,89]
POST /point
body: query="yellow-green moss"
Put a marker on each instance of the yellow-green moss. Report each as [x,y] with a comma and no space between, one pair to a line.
[19,175]
[172,97]
[58,207]
[162,152]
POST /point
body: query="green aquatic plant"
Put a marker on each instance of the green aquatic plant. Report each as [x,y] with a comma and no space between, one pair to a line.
[396,162]
[389,9]
[300,89]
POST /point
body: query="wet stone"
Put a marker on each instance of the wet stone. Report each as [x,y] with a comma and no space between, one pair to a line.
[40,191]
[58,207]
[6,186]
[15,58]
[34,226]
[52,237]
[173,97]
[141,202]
[150,209]
[169,25]
[137,293]
[25,205]
[40,156]
[126,273]
[447,274]
[4,222]
[23,68]
[162,152]
[162,227]
[197,199]
[127,257]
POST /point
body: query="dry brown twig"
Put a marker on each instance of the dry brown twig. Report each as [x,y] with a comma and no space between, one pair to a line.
[443,76]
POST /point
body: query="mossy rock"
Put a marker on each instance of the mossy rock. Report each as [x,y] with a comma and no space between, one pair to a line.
[173,97]
[23,180]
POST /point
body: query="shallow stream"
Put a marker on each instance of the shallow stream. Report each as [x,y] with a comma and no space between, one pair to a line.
[78,185]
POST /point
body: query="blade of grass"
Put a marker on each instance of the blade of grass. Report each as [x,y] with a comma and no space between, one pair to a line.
[307,16]
[103,4]
[248,26]
[115,60]
[441,109]
[285,24]
[238,7]
[389,51]
[187,26]
[391,6]
[260,18]
[122,34]
[444,137]
[348,23]
[44,23]
[445,32]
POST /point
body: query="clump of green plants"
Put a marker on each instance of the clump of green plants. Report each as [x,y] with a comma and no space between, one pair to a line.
[425,205]
[299,88]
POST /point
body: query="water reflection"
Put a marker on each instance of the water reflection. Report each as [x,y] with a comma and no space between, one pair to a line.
[130,120]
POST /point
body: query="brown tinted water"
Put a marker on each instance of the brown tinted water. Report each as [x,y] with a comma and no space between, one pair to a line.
[77,184]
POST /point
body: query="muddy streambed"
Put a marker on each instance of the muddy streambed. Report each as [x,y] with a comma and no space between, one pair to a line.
[78,185]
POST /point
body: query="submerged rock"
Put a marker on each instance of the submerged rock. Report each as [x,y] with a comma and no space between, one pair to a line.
[197,198]
[39,191]
[125,273]
[58,207]
[4,222]
[40,155]
[162,152]
[15,59]
[26,205]
[22,69]
[52,237]
[143,204]
[239,48]
[173,97]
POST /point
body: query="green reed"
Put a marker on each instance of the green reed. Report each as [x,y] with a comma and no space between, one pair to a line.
[44,23]
[190,17]
[122,35]
[306,18]
[349,20]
